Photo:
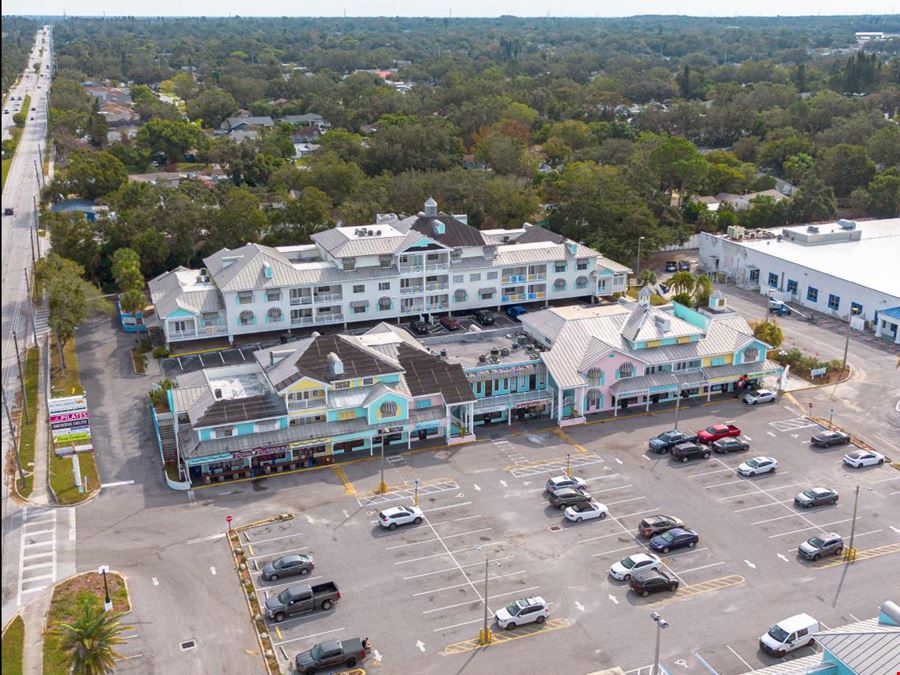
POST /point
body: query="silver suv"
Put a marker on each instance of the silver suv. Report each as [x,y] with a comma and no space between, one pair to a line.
[828,543]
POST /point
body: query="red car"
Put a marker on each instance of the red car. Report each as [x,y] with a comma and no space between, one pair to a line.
[716,432]
[449,323]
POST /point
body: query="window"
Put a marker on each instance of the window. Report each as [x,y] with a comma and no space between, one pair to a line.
[626,370]
[812,294]
[343,384]
[349,264]
[368,381]
[773,280]
[751,354]
[273,315]
[581,264]
[486,295]
[491,275]
[475,277]
[792,287]
[834,301]
[458,278]
[595,374]
[224,432]
[560,267]
[856,308]
[273,295]
[384,304]
[359,288]
[385,261]
[559,285]
[581,282]
[459,295]
[268,425]
[456,254]
[388,409]
[384,286]
[247,318]
[433,257]
[754,276]
[245,297]
[209,318]
[358,309]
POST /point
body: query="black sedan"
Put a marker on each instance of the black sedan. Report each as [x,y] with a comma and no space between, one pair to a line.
[568,496]
[827,439]
[420,327]
[677,537]
[288,566]
[652,582]
[484,317]
[685,451]
[731,444]
[816,497]
[669,439]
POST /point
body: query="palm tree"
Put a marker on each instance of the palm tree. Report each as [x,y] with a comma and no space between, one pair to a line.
[89,640]
[703,288]
[647,278]
[682,282]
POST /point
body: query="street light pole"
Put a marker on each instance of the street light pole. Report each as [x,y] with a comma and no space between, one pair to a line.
[851,551]
[416,498]
[638,273]
[382,486]
[485,637]
[13,440]
[107,603]
[568,465]
[830,417]
[661,624]
[847,340]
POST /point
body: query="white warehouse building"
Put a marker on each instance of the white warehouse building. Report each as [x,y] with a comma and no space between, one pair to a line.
[841,268]
[426,264]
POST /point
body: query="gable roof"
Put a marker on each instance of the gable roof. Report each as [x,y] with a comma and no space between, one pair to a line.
[865,647]
[207,411]
[427,374]
[455,232]
[535,233]
[244,268]
[250,121]
[358,361]
[177,289]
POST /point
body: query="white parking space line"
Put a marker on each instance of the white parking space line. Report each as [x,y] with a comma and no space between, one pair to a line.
[619,487]
[702,567]
[457,520]
[814,527]
[885,480]
[731,482]
[450,569]
[741,658]
[681,552]
[638,513]
[625,501]
[465,583]
[275,555]
[429,541]
[615,550]
[602,536]
[520,591]
[307,637]
[457,625]
[772,520]
[707,473]
[448,506]
[286,536]
[299,579]
[763,506]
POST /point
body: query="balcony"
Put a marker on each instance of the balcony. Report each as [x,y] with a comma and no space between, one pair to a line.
[511,400]
[513,297]
[437,286]
[301,300]
[438,306]
[206,331]
[328,297]
[329,318]
[438,265]
[409,269]
[513,279]
[306,404]
[411,290]
[537,277]
[302,320]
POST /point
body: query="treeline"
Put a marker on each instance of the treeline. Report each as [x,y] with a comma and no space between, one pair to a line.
[18,39]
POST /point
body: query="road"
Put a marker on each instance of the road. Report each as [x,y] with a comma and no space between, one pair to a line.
[19,192]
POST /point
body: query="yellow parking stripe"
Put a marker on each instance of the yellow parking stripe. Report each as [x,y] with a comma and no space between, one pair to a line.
[502,637]
[863,555]
[568,439]
[685,592]
[349,489]
[278,633]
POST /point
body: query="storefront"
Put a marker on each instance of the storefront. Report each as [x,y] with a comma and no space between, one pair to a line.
[260,461]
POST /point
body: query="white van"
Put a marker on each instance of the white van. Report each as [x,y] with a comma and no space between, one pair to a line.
[788,635]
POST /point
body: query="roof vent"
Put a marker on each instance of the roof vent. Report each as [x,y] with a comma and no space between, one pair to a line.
[268,272]
[847,224]
[217,393]
[812,229]
[335,365]
[482,358]
[431,208]
[371,233]
[664,323]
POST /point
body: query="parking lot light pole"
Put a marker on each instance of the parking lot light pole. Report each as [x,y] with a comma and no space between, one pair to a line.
[638,273]
[382,486]
[830,417]
[568,465]
[107,603]
[416,498]
[853,312]
[851,551]
[661,624]
[486,636]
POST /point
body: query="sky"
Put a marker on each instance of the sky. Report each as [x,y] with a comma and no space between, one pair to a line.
[455,8]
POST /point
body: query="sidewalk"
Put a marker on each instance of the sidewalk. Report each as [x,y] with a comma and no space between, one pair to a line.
[39,493]
[33,615]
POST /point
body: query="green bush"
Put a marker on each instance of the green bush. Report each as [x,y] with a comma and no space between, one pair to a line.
[160,352]
[144,345]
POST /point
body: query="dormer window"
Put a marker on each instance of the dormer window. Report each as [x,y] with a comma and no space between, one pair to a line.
[751,354]
[348,264]
[385,261]
[388,409]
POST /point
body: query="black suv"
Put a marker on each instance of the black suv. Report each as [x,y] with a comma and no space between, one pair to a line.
[484,317]
[652,582]
[420,327]
[568,496]
[685,451]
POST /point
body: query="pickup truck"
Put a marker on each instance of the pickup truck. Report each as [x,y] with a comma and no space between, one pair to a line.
[717,431]
[669,439]
[302,599]
[333,653]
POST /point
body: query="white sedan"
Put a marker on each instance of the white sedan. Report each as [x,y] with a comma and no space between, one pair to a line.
[759,396]
[400,515]
[859,458]
[758,465]
[633,564]
[587,511]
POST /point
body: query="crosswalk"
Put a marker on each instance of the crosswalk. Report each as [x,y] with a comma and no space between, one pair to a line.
[37,553]
[42,322]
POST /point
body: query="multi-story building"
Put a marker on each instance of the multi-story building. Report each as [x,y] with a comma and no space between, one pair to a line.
[426,264]
[315,398]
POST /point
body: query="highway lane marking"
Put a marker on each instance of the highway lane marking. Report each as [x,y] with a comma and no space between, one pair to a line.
[814,527]
[519,591]
[428,541]
[448,588]
[451,569]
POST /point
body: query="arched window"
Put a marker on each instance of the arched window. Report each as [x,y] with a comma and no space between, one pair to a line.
[388,409]
[247,318]
[751,354]
[384,304]
[559,285]
[581,282]
[273,315]
[459,295]
[595,375]
[626,370]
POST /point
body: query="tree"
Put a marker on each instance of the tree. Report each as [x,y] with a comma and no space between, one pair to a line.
[413,144]
[884,194]
[846,167]
[75,238]
[812,202]
[94,174]
[89,641]
[333,176]
[300,218]
[173,138]
[884,146]
[797,167]
[647,278]
[679,165]
[769,332]
[212,107]
[96,128]
[237,221]
[683,298]
[126,270]
[683,282]
[72,300]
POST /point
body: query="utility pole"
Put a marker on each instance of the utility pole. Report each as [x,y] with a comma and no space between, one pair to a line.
[847,341]
[15,443]
[31,312]
[37,173]
[677,405]
[21,379]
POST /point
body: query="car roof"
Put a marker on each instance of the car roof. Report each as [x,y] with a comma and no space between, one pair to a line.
[396,509]
[292,556]
[659,517]
[534,600]
[796,622]
[821,489]
[857,453]
[642,556]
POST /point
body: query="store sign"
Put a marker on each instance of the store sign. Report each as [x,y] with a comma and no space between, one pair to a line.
[256,452]
[74,436]
[390,430]
[70,422]
[69,417]
[533,404]
[67,404]
[309,442]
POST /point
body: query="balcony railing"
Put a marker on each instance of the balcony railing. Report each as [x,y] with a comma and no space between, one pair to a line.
[212,330]
[301,300]
[537,277]
[437,286]
[302,320]
[328,297]
[512,399]
[435,307]
[407,269]
[411,290]
[513,297]
[330,318]
[306,404]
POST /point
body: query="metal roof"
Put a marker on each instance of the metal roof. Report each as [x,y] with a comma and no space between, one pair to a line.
[427,374]
[865,647]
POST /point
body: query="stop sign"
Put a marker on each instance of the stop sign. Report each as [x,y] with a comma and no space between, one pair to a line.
[228,519]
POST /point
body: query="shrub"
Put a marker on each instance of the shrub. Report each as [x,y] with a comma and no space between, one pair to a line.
[160,352]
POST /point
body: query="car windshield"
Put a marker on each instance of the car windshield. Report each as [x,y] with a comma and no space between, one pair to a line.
[810,493]
[668,434]
[712,430]
[316,653]
[514,607]
[816,542]
[628,563]
[284,597]
[279,564]
[778,633]
[752,462]
[668,536]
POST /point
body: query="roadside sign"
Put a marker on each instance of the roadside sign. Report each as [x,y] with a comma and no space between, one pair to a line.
[228,519]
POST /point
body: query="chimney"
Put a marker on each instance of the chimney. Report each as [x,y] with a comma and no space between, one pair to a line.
[335,365]
[430,208]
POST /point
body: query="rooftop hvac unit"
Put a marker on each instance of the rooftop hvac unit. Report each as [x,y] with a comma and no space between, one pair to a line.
[847,224]
[812,229]
[736,232]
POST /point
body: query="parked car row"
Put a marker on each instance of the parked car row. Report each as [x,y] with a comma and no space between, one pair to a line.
[482,316]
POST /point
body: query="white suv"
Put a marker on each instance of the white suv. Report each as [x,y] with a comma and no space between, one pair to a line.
[400,515]
[520,612]
[559,482]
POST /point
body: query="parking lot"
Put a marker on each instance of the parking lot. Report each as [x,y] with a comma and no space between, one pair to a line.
[418,592]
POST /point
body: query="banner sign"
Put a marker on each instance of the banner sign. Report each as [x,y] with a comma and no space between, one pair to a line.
[67,404]
[70,423]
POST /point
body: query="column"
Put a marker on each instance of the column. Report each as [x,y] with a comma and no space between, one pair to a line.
[559,407]
[647,400]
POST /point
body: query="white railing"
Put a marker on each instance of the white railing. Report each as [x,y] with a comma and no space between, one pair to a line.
[512,399]
[301,300]
[411,290]
[331,318]
[437,286]
[328,297]
[306,404]
[302,320]
[213,330]
[406,269]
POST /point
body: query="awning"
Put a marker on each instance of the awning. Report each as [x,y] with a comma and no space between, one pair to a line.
[644,383]
[487,290]
[732,373]
[359,303]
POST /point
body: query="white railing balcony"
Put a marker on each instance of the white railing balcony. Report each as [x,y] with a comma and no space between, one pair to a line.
[512,399]
[437,286]
[537,277]
[182,334]
[302,320]
[437,306]
[306,404]
[213,330]
[301,300]
[328,297]
[411,290]
[329,318]
[441,265]
[408,269]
